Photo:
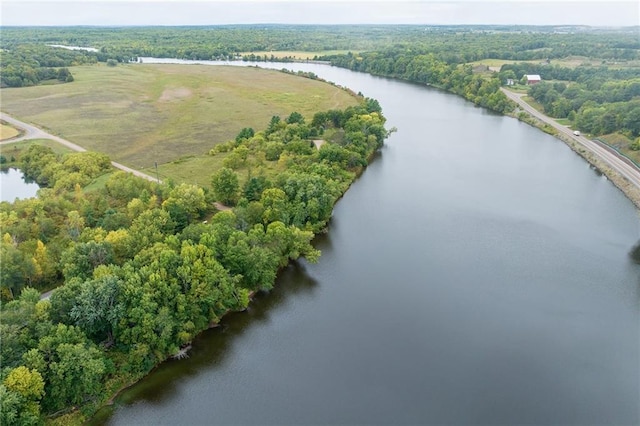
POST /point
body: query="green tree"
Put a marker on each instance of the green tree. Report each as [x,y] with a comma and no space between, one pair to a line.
[226,186]
[254,186]
[16,410]
[245,133]
[185,204]
[27,383]
[82,258]
[295,117]
[16,268]
[96,309]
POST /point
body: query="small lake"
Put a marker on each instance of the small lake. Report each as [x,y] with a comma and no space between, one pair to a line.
[13,185]
[88,49]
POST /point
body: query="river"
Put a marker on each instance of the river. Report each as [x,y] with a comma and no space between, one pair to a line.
[477,273]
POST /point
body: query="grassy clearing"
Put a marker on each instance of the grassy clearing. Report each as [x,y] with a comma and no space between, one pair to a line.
[140,114]
[15,149]
[568,62]
[495,64]
[622,144]
[199,168]
[98,183]
[7,131]
[534,103]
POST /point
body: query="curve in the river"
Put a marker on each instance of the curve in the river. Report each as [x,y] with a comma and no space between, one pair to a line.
[477,273]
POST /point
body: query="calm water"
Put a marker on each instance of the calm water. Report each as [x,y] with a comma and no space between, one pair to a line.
[477,273]
[13,185]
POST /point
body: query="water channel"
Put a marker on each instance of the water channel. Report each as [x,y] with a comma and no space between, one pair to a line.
[477,273]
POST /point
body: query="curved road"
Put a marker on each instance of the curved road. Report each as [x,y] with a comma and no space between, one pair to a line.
[618,163]
[33,132]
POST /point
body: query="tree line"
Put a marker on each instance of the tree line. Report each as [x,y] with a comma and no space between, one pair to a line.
[427,69]
[141,268]
[449,44]
[29,65]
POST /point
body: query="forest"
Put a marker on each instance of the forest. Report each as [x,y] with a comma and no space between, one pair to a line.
[141,268]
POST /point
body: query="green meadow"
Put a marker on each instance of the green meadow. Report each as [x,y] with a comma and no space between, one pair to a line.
[140,114]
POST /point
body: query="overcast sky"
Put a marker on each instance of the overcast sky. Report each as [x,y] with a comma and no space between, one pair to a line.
[215,12]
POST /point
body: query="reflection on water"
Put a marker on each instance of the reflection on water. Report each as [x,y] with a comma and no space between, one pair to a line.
[213,347]
[14,185]
[635,252]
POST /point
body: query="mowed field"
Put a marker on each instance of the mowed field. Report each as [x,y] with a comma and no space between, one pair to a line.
[7,132]
[140,114]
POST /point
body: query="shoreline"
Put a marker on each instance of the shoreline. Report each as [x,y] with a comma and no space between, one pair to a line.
[110,401]
[627,188]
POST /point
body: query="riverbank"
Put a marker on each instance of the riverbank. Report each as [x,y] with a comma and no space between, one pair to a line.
[631,191]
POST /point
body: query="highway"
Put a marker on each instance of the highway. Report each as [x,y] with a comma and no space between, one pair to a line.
[618,163]
[33,132]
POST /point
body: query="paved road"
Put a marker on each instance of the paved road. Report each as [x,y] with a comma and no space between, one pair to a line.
[33,132]
[617,162]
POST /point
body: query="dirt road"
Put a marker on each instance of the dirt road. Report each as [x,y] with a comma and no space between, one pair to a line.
[618,163]
[33,132]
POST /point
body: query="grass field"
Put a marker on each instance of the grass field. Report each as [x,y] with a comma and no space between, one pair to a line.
[16,148]
[7,132]
[140,114]
[568,62]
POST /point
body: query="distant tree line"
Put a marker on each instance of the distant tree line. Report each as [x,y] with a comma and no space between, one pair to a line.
[428,69]
[598,100]
[453,44]
[29,65]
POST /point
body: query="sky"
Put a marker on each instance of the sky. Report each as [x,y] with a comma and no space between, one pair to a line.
[221,12]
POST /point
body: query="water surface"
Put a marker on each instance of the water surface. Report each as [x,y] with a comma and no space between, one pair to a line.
[13,185]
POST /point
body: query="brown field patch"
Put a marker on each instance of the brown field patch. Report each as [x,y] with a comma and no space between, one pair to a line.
[173,94]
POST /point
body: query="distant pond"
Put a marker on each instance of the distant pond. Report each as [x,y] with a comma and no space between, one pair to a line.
[14,185]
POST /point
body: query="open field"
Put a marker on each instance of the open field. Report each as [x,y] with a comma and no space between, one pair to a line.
[8,132]
[140,114]
[16,148]
[568,62]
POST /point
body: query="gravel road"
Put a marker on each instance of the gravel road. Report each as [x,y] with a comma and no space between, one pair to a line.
[33,132]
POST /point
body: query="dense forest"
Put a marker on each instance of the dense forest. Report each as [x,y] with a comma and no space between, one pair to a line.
[141,268]
[455,44]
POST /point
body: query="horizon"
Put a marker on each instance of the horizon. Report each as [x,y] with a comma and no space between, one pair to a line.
[145,13]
